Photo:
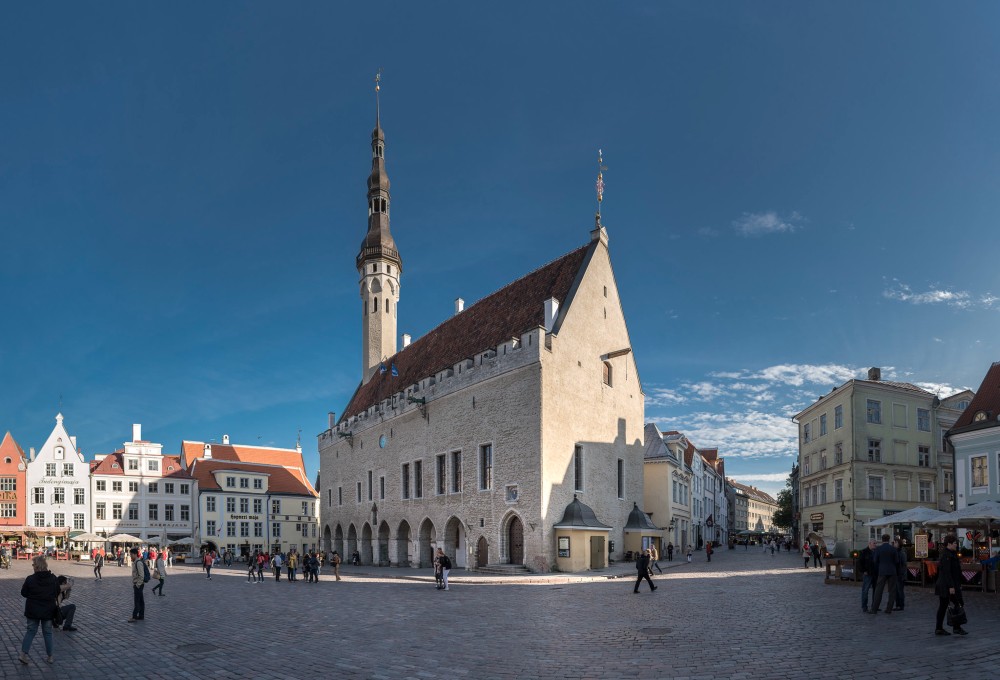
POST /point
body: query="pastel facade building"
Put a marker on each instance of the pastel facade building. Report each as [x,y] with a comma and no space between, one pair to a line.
[58,479]
[867,449]
[252,497]
[13,489]
[975,438]
[137,490]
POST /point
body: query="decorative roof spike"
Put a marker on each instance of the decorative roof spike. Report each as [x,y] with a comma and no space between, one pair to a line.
[600,183]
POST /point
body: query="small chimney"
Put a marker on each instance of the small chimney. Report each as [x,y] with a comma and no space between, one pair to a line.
[551,312]
[225,440]
[332,417]
[136,432]
[31,453]
[874,373]
[208,451]
[406,340]
[459,305]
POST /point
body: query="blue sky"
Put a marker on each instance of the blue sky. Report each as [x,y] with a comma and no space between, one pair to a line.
[795,192]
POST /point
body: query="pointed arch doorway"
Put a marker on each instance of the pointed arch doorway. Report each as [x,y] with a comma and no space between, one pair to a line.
[515,541]
[482,552]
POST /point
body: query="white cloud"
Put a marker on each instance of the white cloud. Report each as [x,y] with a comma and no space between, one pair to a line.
[759,224]
[705,391]
[747,434]
[960,299]
[799,374]
[761,477]
[661,396]
[941,389]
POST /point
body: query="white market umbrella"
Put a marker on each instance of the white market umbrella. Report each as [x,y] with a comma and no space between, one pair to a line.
[124,538]
[918,515]
[980,514]
[182,541]
[87,537]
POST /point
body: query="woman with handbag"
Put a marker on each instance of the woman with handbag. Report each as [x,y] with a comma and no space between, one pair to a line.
[39,592]
[949,588]
[159,572]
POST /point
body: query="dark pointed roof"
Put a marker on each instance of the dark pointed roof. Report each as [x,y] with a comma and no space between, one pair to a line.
[514,309]
[987,400]
[579,516]
[639,521]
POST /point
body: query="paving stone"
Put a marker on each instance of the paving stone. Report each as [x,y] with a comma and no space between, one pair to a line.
[745,615]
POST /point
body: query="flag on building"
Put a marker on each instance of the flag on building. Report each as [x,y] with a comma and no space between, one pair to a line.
[395,372]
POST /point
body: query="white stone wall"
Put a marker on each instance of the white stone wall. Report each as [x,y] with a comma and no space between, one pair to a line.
[533,400]
[59,448]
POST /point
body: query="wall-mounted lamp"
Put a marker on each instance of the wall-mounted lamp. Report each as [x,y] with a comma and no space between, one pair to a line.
[843,511]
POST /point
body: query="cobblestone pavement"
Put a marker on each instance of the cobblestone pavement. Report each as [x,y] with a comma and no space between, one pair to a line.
[744,615]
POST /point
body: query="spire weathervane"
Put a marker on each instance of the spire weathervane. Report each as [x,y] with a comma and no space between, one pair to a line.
[600,182]
[378,80]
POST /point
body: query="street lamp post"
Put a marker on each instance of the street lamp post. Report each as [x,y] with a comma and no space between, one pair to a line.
[843,511]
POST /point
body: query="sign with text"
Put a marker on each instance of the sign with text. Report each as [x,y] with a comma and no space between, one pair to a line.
[920,546]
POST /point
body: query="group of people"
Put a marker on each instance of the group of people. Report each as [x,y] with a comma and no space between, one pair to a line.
[45,607]
[812,550]
[884,569]
[310,564]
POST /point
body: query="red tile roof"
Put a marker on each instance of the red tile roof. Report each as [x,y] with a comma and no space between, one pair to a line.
[114,464]
[753,491]
[288,458]
[280,479]
[987,399]
[514,309]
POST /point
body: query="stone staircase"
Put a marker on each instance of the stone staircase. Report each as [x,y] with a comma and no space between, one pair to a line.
[501,570]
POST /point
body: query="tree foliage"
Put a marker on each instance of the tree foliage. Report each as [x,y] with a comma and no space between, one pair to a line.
[784,516]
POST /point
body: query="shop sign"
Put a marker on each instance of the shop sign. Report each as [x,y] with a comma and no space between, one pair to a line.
[816,517]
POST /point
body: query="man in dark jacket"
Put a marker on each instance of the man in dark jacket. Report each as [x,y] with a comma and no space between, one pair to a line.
[40,591]
[887,564]
[642,566]
[866,565]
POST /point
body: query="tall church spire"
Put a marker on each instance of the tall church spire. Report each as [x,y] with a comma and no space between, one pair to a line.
[378,261]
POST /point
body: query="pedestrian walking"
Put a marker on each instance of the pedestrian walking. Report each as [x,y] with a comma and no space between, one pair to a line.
[900,576]
[291,564]
[169,557]
[642,569]
[774,546]
[261,559]
[866,565]
[98,564]
[208,563]
[252,568]
[438,578]
[445,568]
[708,550]
[335,561]
[817,555]
[806,554]
[159,572]
[655,559]
[276,566]
[887,563]
[39,591]
[140,576]
[948,587]
[690,553]
[670,552]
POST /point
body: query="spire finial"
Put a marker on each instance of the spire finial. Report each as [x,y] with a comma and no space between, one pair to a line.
[378,80]
[600,183]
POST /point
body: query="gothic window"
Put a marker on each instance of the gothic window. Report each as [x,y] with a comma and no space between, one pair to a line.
[375,303]
[387,305]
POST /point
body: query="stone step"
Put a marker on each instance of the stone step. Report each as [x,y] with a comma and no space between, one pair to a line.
[501,569]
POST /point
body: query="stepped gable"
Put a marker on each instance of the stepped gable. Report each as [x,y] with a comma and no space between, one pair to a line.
[987,399]
[514,309]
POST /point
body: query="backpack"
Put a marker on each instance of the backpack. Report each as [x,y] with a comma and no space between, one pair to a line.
[145,572]
[445,562]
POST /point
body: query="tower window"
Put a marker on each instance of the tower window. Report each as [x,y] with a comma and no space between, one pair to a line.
[388,268]
[375,303]
[607,374]
[387,305]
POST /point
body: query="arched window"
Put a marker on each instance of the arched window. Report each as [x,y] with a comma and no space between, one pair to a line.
[387,305]
[607,374]
[375,304]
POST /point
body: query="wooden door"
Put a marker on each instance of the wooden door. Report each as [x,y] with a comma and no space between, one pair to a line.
[482,552]
[597,552]
[515,541]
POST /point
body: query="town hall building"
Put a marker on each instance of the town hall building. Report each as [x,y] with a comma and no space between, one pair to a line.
[510,434]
